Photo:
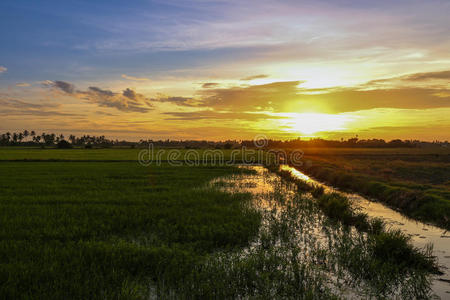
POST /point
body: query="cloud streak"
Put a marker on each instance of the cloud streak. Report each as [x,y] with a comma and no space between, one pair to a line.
[66,87]
[444,75]
[261,76]
[177,100]
[208,85]
[125,76]
[127,101]
[423,78]
[216,115]
[16,107]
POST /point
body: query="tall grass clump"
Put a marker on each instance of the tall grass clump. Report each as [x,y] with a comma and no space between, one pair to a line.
[367,259]
[388,247]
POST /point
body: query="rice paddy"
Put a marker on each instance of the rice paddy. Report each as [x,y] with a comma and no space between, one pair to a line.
[78,227]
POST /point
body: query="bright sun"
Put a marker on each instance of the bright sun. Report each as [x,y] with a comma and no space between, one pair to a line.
[310,123]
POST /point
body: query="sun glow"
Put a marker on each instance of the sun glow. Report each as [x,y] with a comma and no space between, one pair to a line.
[310,123]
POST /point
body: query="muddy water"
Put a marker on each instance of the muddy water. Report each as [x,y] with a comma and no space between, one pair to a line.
[421,234]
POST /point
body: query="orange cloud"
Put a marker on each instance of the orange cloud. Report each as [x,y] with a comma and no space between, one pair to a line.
[16,107]
[260,76]
[289,96]
[215,115]
[208,85]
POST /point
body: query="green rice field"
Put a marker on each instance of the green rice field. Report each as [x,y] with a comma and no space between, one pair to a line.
[96,224]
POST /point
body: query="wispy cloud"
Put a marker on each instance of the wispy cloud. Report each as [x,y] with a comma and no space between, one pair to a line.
[208,85]
[129,77]
[445,75]
[23,84]
[16,103]
[177,100]
[63,86]
[284,30]
[440,79]
[3,69]
[17,107]
[254,77]
[128,100]
[264,97]
[220,115]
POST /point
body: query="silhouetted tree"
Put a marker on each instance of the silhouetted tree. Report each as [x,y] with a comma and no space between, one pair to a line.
[63,144]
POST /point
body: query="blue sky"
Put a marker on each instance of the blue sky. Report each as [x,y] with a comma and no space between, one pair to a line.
[65,39]
[165,50]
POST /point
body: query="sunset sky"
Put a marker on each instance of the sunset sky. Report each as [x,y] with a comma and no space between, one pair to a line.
[226,69]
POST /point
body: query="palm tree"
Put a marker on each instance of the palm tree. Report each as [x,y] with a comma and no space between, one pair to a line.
[15,137]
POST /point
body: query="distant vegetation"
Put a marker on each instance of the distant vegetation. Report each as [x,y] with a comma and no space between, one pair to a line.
[31,138]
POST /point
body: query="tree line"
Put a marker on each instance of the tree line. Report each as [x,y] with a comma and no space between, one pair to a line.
[31,138]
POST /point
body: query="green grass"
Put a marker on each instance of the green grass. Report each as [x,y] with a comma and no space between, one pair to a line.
[109,230]
[24,153]
[112,154]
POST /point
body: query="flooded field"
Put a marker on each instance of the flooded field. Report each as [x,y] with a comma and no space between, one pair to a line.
[294,228]
[421,234]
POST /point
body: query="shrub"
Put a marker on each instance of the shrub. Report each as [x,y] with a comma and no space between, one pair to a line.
[317,191]
[336,206]
[63,144]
